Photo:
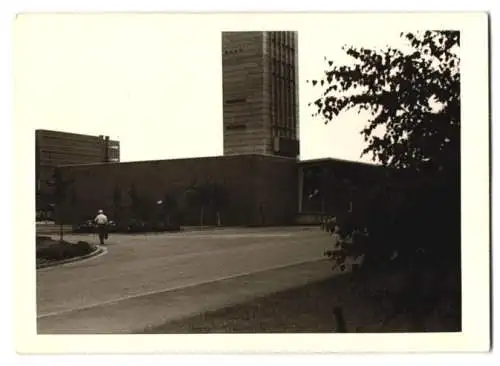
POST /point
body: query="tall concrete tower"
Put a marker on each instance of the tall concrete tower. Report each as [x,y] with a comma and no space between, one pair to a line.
[260,94]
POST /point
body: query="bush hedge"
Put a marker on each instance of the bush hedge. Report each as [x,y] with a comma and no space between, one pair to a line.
[134,226]
[54,250]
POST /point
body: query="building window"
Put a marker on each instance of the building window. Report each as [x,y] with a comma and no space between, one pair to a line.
[235,101]
[238,126]
[233,50]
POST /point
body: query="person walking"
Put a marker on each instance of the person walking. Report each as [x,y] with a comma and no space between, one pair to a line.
[101,221]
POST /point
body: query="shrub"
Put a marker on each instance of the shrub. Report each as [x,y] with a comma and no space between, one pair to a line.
[40,239]
[58,250]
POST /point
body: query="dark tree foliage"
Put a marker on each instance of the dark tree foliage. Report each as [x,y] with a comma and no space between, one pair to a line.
[117,202]
[74,198]
[196,198]
[170,208]
[218,200]
[192,197]
[413,100]
[117,197]
[74,203]
[61,187]
[207,195]
[136,203]
[217,196]
[415,96]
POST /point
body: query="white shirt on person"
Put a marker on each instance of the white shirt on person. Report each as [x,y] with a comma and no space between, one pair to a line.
[101,219]
[337,240]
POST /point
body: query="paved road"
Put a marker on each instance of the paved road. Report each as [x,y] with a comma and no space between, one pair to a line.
[145,279]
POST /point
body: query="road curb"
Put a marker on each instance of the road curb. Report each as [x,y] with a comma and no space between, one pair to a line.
[98,251]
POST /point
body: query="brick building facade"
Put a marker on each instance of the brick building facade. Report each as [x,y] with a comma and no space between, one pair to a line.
[260,93]
[258,189]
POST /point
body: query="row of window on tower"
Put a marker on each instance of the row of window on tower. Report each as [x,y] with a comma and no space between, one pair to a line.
[283,39]
[283,108]
[282,83]
[282,47]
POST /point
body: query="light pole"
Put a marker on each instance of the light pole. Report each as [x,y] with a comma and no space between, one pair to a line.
[159,204]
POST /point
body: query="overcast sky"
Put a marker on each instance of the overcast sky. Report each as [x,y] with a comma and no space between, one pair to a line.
[154,82]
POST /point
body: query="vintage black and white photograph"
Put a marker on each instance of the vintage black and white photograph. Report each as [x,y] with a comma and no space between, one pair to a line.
[234,179]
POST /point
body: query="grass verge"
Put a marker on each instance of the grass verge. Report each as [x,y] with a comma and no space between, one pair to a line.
[366,305]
